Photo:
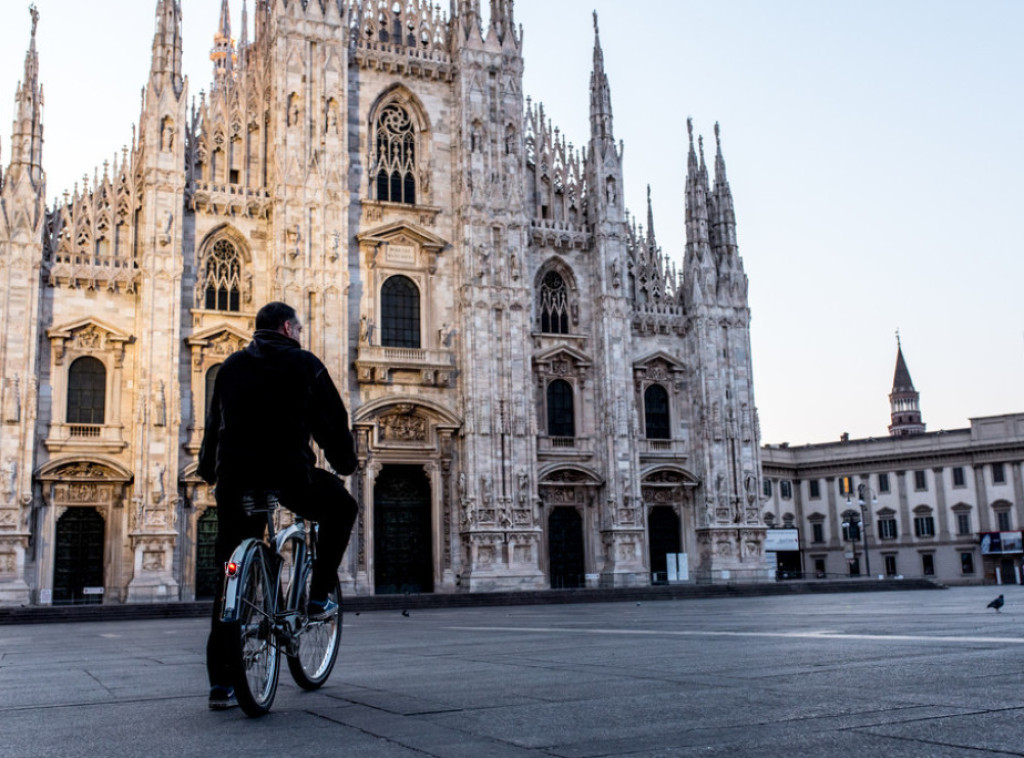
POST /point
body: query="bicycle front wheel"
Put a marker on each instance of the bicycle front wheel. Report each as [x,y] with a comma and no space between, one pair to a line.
[256,660]
[317,645]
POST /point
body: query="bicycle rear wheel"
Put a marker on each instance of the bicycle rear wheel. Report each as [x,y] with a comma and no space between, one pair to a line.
[256,660]
[317,644]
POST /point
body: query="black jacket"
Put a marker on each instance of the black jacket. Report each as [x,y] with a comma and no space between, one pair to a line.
[268,399]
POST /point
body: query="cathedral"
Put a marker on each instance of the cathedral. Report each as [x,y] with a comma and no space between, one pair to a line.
[540,397]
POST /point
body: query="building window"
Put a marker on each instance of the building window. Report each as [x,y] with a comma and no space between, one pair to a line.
[924,525]
[222,276]
[963,523]
[554,304]
[851,526]
[920,480]
[887,528]
[817,532]
[814,488]
[561,421]
[883,483]
[769,520]
[400,313]
[928,564]
[1003,521]
[767,487]
[786,489]
[787,520]
[211,381]
[966,563]
[998,473]
[958,477]
[395,164]
[890,565]
[846,486]
[87,387]
[656,413]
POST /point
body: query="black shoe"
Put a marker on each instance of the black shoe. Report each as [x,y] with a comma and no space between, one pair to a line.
[321,610]
[222,698]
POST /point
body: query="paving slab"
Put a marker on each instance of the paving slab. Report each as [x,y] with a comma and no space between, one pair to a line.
[913,673]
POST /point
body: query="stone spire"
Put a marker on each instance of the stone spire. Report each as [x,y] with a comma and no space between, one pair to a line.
[652,243]
[904,401]
[725,214]
[503,23]
[600,95]
[222,53]
[166,66]
[465,17]
[27,132]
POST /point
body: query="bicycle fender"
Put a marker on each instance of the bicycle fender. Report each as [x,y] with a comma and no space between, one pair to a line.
[284,535]
[233,581]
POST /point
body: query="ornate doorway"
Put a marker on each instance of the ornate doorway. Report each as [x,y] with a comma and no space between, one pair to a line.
[565,549]
[208,573]
[78,560]
[403,560]
[663,527]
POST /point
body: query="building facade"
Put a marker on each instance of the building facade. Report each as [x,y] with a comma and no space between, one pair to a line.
[539,398]
[947,505]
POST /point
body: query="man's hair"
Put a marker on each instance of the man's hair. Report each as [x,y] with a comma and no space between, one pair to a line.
[274,316]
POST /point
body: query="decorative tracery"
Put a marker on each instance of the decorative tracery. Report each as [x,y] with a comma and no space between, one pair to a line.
[554,304]
[395,156]
[221,278]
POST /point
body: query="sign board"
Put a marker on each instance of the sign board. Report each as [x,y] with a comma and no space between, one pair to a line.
[782,540]
[1001,543]
[677,567]
[92,590]
[45,597]
[401,254]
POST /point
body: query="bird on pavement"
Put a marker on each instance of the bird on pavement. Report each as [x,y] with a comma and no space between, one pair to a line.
[997,604]
[405,613]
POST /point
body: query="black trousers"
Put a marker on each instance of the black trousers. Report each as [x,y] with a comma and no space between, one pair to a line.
[323,499]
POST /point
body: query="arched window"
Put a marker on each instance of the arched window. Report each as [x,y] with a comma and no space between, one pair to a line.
[221,277]
[554,304]
[87,386]
[656,413]
[395,158]
[400,313]
[561,421]
[211,380]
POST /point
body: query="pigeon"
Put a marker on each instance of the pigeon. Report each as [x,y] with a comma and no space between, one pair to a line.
[405,613]
[997,604]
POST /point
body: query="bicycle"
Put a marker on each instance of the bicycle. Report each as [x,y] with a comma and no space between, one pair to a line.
[266,588]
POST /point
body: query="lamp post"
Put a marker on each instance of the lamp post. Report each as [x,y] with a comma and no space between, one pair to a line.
[865,495]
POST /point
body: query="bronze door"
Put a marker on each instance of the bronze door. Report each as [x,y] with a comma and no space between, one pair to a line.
[664,538]
[208,573]
[565,549]
[402,536]
[78,559]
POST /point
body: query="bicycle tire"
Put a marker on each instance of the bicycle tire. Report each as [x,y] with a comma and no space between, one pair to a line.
[255,656]
[318,643]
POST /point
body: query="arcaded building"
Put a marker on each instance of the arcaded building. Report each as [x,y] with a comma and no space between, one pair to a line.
[540,398]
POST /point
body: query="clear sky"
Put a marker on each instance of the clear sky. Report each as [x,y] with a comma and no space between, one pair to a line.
[874,150]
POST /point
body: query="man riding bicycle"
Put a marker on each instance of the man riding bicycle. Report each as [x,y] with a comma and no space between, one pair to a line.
[268,400]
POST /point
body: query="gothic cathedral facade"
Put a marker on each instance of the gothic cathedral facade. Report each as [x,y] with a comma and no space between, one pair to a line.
[539,397]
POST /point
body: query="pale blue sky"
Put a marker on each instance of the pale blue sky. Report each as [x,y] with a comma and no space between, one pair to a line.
[873,147]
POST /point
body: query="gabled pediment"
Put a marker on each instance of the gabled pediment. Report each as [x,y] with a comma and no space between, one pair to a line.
[562,354]
[88,329]
[659,357]
[403,233]
[217,334]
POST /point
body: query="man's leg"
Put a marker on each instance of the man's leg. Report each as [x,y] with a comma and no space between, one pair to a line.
[232,527]
[327,502]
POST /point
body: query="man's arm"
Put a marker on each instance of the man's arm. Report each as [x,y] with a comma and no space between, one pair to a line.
[330,425]
[208,450]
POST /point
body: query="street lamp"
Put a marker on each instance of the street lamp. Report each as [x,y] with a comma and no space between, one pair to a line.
[865,495]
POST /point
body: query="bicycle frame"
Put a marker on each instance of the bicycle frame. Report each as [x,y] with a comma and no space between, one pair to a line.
[285,621]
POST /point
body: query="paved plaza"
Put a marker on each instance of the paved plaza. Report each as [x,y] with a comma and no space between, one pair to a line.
[912,673]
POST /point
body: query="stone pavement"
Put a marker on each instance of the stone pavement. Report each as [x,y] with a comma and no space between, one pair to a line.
[914,673]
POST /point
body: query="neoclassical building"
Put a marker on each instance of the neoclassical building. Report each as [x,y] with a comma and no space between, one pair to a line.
[540,398]
[946,504]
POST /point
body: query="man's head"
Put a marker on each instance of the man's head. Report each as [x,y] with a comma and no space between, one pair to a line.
[279,317]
